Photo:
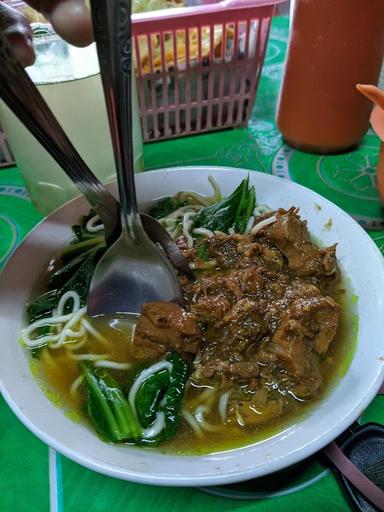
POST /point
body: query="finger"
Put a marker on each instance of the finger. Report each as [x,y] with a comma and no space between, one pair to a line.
[373,93]
[71,19]
[380,173]
[18,33]
[377,122]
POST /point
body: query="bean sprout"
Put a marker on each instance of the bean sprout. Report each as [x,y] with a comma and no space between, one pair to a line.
[76,384]
[160,365]
[249,225]
[93,225]
[181,211]
[199,416]
[203,265]
[262,224]
[189,418]
[88,357]
[202,231]
[239,418]
[186,226]
[157,426]
[114,365]
[223,404]
[200,198]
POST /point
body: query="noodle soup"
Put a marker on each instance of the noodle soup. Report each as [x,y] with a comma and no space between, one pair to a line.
[261,339]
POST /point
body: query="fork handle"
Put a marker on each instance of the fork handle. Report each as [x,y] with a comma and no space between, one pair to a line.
[23,98]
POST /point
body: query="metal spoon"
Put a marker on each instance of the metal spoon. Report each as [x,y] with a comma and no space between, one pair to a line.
[133,271]
[24,99]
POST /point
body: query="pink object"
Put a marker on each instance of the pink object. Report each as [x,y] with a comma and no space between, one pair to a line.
[355,476]
[209,80]
[6,158]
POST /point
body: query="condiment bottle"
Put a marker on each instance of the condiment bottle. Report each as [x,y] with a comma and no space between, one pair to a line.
[333,45]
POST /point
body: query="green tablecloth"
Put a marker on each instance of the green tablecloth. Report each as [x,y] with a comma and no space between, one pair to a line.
[35,478]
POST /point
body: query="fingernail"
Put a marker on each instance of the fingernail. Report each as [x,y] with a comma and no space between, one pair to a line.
[22,48]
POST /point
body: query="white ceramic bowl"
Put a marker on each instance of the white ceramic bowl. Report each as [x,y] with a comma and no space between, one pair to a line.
[360,260]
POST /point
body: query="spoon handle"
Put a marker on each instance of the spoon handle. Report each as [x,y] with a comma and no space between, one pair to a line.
[23,98]
[112,31]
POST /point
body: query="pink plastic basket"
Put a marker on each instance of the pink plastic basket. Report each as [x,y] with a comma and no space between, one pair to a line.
[198,67]
[6,158]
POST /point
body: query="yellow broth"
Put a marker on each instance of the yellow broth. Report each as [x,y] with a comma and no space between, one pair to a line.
[58,370]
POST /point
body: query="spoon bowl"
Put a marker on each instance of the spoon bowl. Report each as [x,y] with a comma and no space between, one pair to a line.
[130,274]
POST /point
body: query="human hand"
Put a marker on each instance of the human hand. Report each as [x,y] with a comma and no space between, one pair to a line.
[376,95]
[71,19]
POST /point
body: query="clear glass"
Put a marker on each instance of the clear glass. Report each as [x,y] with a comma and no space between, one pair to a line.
[69,80]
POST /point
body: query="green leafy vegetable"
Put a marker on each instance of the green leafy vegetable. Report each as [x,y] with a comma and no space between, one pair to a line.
[59,277]
[83,240]
[202,252]
[80,230]
[82,234]
[162,391]
[40,309]
[233,211]
[165,206]
[42,305]
[107,407]
[81,279]
[74,250]
[114,418]
[245,209]
[80,259]
[76,277]
[174,394]
[149,396]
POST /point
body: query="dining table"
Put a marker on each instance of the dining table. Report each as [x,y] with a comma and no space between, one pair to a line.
[34,477]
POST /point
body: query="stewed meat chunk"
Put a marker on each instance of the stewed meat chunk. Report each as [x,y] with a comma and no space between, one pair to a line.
[163,327]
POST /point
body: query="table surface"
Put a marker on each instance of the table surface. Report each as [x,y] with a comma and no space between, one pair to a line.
[35,478]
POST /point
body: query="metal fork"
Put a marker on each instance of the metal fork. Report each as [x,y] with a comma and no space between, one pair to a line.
[23,98]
